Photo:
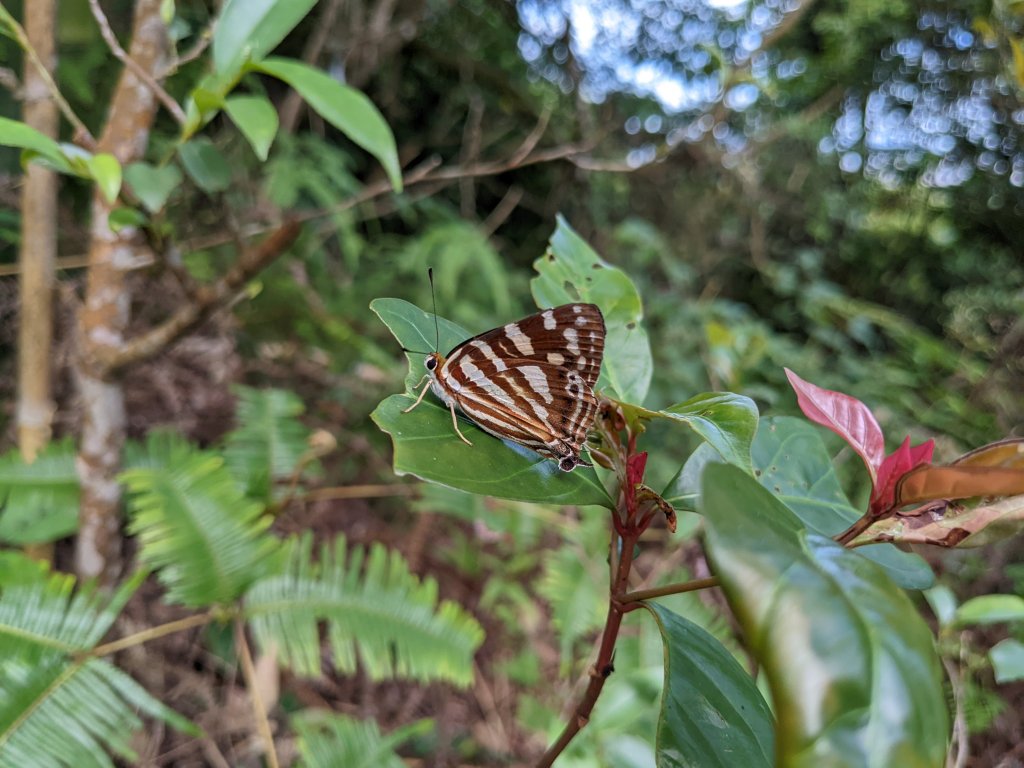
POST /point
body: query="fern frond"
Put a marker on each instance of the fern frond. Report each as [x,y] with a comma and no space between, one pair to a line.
[58,706]
[62,713]
[572,587]
[39,500]
[161,447]
[269,442]
[382,614]
[208,542]
[43,618]
[327,740]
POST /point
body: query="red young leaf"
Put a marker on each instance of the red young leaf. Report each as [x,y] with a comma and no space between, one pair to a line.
[847,416]
[635,467]
[893,467]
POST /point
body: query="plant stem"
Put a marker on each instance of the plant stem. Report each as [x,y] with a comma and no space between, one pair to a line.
[153,633]
[669,589]
[602,668]
[258,706]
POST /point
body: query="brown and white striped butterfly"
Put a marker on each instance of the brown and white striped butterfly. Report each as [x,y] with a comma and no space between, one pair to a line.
[530,382]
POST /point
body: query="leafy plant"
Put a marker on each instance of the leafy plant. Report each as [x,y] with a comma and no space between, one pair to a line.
[864,685]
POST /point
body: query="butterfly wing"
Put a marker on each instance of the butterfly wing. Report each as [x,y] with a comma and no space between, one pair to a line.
[571,335]
[532,381]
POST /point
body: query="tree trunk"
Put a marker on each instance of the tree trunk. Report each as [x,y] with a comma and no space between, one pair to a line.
[38,251]
[104,317]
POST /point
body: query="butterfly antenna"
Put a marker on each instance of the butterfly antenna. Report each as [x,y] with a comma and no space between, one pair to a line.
[433,302]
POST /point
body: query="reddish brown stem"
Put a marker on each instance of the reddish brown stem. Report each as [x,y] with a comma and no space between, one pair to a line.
[602,668]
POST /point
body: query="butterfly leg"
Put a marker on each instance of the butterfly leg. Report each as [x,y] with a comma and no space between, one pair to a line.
[422,393]
[455,423]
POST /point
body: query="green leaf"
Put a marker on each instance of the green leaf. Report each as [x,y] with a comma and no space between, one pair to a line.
[852,668]
[989,609]
[105,170]
[572,271]
[269,442]
[328,740]
[250,29]
[39,500]
[1007,657]
[257,119]
[683,490]
[380,615]
[942,601]
[152,185]
[17,568]
[14,133]
[791,461]
[726,421]
[205,165]
[712,714]
[208,542]
[348,110]
[123,217]
[426,444]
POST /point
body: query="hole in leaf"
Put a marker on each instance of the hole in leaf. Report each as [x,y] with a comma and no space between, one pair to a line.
[631,326]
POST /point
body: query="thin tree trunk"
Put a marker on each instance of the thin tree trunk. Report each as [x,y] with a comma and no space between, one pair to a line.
[104,317]
[38,252]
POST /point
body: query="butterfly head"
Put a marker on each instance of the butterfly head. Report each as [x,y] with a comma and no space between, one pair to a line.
[432,363]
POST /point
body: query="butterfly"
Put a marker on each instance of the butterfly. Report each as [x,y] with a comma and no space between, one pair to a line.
[530,382]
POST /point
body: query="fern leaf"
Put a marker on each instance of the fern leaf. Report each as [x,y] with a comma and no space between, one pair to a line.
[43,618]
[381,614]
[208,542]
[162,447]
[58,706]
[39,500]
[327,740]
[572,587]
[61,713]
[269,442]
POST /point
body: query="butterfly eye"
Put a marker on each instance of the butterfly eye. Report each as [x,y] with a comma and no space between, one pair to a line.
[430,363]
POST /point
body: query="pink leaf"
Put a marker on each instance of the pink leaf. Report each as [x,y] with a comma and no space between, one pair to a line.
[893,467]
[847,416]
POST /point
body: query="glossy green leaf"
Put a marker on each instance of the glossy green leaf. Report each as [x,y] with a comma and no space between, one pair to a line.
[347,109]
[852,667]
[791,461]
[152,185]
[248,30]
[572,271]
[14,133]
[426,444]
[257,119]
[205,165]
[1007,657]
[415,330]
[683,490]
[725,420]
[105,170]
[712,714]
[990,609]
